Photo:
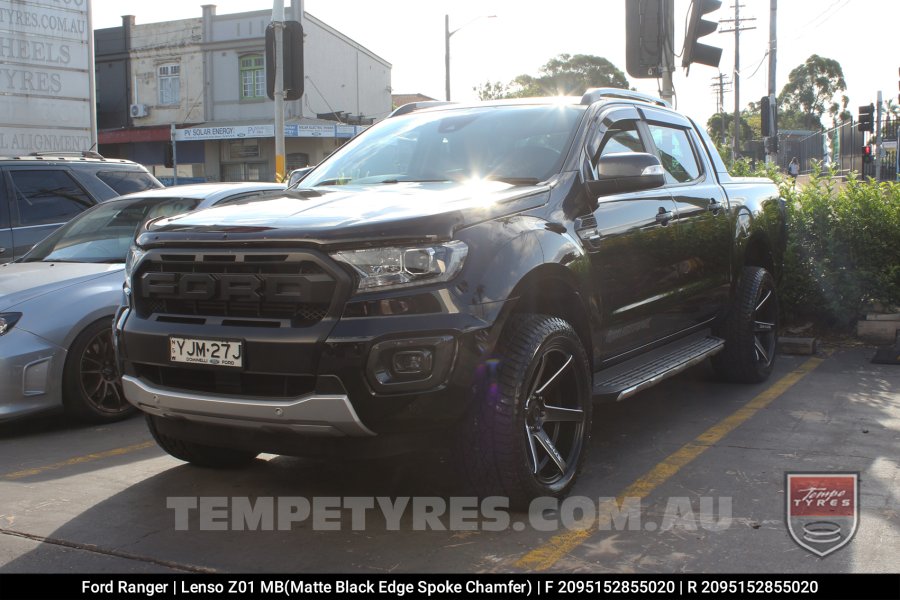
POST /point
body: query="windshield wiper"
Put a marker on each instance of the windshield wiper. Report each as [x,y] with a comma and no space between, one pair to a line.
[335,181]
[413,181]
[516,180]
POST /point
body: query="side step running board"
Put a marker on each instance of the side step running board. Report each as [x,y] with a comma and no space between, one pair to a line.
[626,379]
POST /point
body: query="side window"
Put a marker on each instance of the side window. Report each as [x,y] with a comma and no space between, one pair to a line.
[622,136]
[675,153]
[44,197]
[126,182]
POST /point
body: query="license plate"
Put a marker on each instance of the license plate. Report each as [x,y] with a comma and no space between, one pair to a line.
[219,353]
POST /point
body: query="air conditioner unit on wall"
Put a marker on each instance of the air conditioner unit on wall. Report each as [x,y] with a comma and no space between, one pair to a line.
[139,110]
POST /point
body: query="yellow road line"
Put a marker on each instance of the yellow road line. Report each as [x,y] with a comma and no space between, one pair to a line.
[548,554]
[78,460]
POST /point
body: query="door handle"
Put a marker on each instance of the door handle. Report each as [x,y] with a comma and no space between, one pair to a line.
[2,250]
[664,216]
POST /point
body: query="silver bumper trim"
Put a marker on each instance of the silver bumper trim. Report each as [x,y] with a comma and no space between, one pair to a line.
[320,414]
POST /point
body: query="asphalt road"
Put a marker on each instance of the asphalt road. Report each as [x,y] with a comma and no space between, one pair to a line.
[702,462]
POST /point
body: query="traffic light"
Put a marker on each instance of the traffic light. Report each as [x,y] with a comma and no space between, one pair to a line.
[293,61]
[867,154]
[694,51]
[866,118]
[649,30]
[767,115]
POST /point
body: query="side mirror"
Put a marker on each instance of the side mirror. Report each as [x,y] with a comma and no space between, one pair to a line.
[622,172]
[297,176]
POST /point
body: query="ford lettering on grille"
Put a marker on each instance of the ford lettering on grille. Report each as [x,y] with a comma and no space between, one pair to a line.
[235,287]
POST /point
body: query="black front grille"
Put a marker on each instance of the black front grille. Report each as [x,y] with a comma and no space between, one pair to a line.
[232,383]
[292,287]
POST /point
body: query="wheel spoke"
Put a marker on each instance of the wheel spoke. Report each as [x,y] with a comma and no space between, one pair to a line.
[555,375]
[96,388]
[538,376]
[117,392]
[764,300]
[88,358]
[760,351]
[532,449]
[541,436]
[762,327]
[560,414]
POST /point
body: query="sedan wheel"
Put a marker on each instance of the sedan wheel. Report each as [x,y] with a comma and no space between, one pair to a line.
[93,390]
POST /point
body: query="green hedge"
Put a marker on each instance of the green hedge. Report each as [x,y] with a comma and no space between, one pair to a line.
[843,251]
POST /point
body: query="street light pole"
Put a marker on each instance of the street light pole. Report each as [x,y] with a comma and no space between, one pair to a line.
[447,34]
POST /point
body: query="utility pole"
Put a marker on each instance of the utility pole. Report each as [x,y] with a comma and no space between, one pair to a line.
[771,146]
[278,24]
[720,100]
[736,78]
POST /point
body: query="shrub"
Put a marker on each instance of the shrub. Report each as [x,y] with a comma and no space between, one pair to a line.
[843,248]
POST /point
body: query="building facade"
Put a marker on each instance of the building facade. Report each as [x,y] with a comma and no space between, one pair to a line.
[202,82]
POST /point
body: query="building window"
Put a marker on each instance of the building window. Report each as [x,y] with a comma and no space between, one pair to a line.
[253,77]
[169,84]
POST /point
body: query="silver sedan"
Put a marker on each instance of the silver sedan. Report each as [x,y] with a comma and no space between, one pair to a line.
[57,303]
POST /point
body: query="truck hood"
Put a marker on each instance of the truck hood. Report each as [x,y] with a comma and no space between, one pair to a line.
[352,214]
[20,282]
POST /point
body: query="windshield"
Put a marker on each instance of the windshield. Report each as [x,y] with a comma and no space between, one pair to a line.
[104,233]
[519,144]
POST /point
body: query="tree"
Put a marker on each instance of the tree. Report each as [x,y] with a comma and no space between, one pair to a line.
[714,127]
[492,90]
[813,89]
[564,75]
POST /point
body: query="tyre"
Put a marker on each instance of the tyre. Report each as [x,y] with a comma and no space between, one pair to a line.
[92,390]
[750,330]
[528,429]
[200,454]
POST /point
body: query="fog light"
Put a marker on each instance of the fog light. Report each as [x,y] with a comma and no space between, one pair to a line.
[412,362]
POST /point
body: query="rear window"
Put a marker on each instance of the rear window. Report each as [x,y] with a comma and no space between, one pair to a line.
[126,182]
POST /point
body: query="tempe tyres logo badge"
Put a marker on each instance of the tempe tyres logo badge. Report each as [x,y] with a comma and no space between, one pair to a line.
[822,509]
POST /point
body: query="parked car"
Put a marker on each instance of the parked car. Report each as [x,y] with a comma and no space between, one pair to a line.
[464,274]
[40,192]
[57,303]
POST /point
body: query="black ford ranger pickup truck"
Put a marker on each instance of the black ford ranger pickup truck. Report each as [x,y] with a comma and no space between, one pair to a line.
[475,275]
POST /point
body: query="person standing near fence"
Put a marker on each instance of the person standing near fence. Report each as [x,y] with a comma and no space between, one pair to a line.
[794,170]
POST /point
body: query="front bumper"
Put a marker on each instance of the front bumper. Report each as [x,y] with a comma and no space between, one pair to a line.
[316,414]
[30,374]
[323,385]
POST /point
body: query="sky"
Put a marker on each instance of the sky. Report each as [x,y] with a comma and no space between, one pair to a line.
[524,34]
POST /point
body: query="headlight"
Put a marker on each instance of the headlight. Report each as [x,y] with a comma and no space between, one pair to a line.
[7,320]
[135,255]
[404,266]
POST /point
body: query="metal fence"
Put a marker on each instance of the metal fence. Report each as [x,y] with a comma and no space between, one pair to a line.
[842,146]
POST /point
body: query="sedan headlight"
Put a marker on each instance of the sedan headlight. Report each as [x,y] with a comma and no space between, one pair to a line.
[135,255]
[7,320]
[395,267]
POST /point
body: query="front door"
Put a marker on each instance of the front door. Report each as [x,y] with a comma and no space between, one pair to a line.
[630,243]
